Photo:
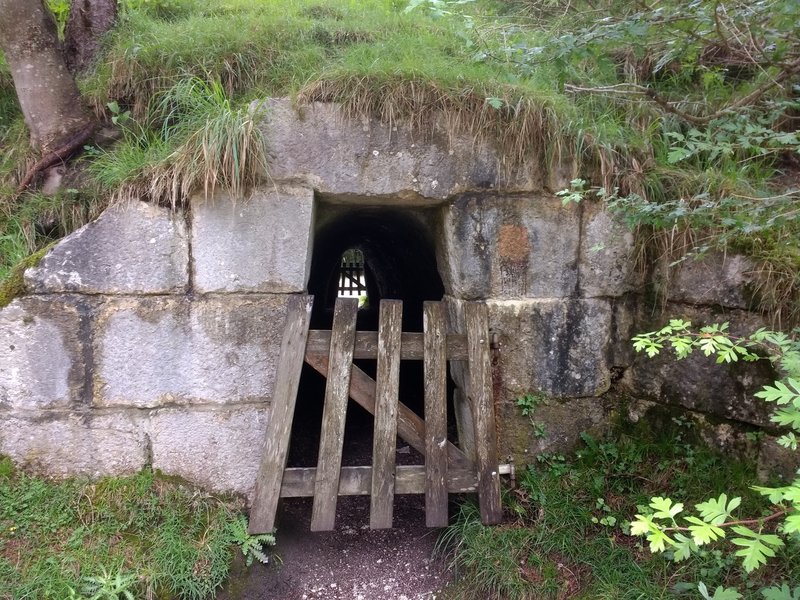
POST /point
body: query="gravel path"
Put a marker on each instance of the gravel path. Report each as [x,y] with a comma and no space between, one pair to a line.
[352,562]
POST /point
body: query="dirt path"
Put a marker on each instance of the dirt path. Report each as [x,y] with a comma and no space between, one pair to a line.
[352,562]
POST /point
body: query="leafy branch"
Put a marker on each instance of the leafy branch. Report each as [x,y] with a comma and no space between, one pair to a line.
[757,538]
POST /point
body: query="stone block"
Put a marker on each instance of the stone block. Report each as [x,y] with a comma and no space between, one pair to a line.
[607,255]
[151,352]
[558,348]
[133,248]
[218,449]
[775,460]
[713,279]
[61,444]
[260,244]
[42,343]
[512,247]
[555,426]
[698,383]
[360,158]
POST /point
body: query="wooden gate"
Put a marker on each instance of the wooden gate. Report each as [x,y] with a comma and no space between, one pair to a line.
[447,468]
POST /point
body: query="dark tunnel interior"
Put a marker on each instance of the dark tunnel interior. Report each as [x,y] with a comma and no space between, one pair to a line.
[399,263]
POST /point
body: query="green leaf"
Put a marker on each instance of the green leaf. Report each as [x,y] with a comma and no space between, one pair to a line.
[659,541]
[792,524]
[683,548]
[495,103]
[717,511]
[642,524]
[789,440]
[678,154]
[780,393]
[708,346]
[720,593]
[704,533]
[664,508]
[787,417]
[756,547]
[781,593]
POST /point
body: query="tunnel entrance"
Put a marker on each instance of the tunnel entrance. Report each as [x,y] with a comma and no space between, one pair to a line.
[374,254]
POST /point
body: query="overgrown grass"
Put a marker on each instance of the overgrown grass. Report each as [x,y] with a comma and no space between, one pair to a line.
[73,538]
[549,83]
[567,532]
[196,139]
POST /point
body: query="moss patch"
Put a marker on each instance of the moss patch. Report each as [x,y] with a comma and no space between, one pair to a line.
[14,285]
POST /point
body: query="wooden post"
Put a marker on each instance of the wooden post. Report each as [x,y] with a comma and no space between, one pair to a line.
[329,463]
[435,415]
[480,394]
[387,384]
[279,426]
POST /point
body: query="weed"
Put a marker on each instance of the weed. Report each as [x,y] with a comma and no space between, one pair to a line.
[250,545]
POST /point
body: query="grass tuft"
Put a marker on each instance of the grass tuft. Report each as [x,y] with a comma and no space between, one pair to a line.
[203,141]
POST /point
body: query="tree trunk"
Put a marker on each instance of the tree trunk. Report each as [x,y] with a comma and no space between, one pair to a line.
[89,21]
[47,94]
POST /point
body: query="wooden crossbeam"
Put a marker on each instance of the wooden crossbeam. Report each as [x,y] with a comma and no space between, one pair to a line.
[366,345]
[298,482]
[410,426]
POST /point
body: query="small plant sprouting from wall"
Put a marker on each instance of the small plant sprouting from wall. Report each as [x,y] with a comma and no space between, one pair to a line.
[527,404]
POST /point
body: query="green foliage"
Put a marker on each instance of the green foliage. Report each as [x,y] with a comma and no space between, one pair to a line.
[575,193]
[528,403]
[781,593]
[114,539]
[569,533]
[196,138]
[250,545]
[757,539]
[108,586]
[720,593]
[60,10]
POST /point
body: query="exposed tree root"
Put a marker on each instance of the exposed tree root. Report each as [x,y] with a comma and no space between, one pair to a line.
[59,155]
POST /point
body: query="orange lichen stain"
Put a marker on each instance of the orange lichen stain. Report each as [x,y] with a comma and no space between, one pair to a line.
[513,243]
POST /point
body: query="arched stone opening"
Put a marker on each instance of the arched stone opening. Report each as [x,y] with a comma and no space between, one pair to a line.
[399,255]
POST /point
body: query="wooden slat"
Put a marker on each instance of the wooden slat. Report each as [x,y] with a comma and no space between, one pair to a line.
[357,481]
[435,415]
[480,393]
[331,441]
[410,426]
[279,426]
[319,341]
[387,389]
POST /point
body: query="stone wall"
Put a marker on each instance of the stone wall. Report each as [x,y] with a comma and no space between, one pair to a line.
[150,337]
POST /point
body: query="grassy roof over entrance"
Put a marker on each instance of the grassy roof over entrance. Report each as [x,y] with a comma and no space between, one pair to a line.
[682,116]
